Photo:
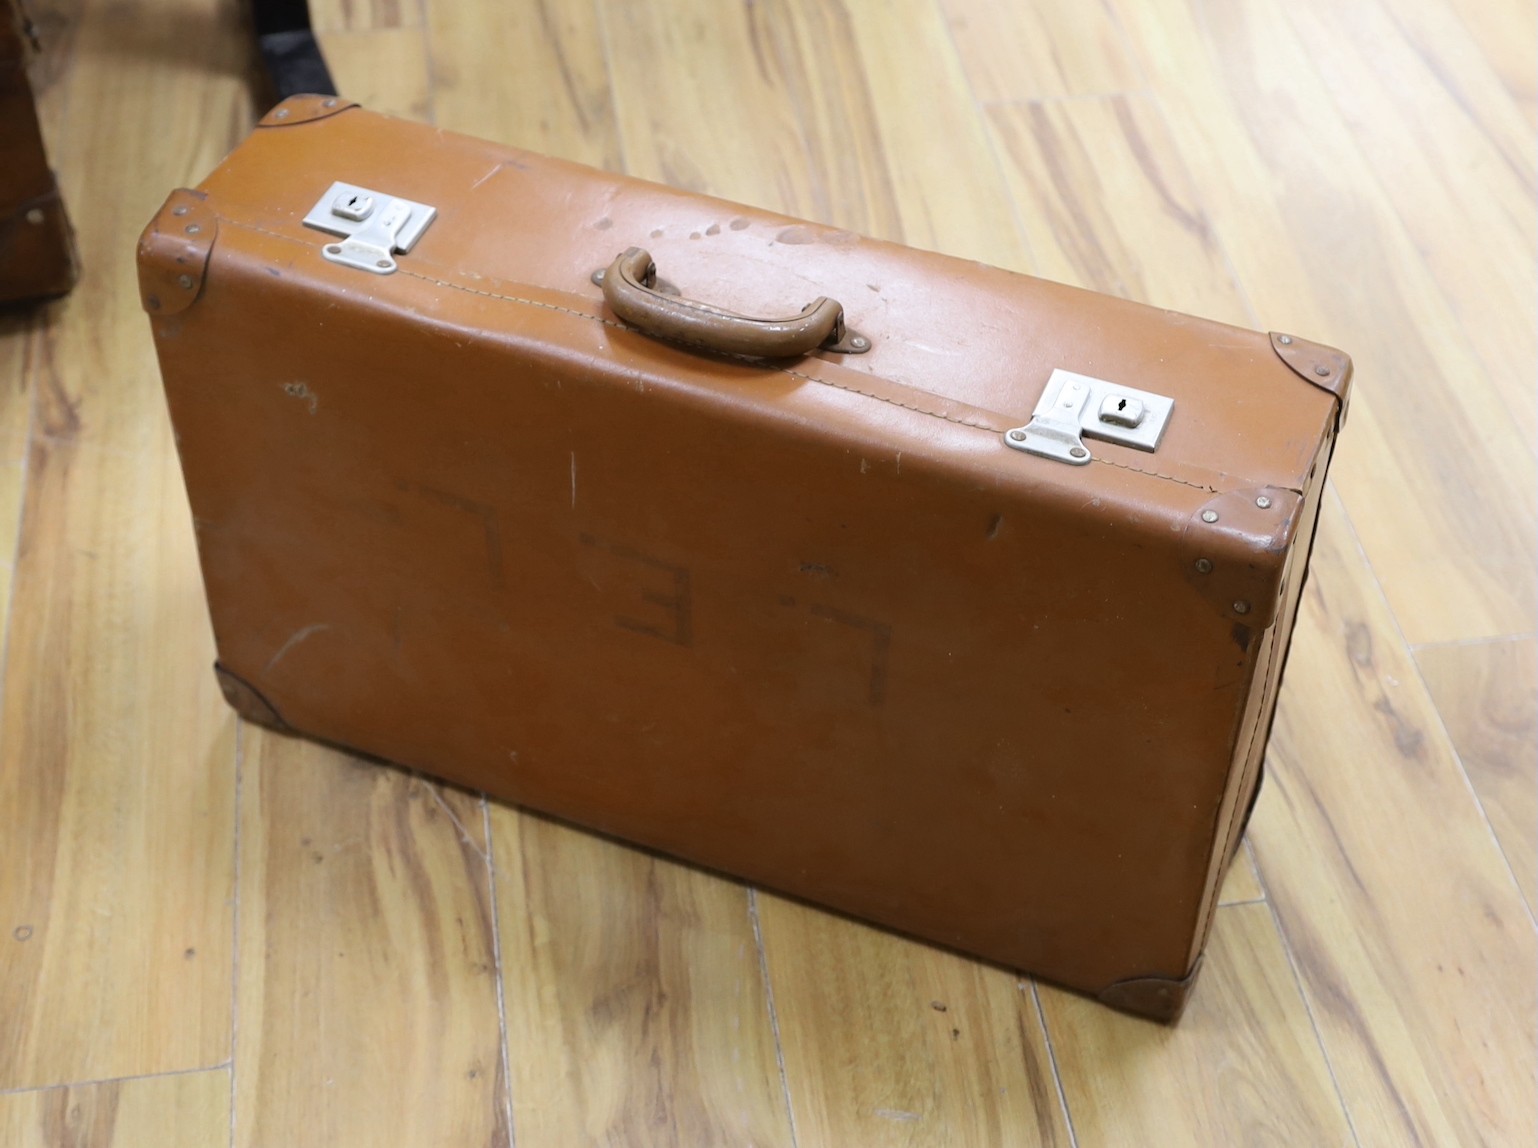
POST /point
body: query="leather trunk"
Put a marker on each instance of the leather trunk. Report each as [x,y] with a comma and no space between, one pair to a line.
[37,246]
[813,621]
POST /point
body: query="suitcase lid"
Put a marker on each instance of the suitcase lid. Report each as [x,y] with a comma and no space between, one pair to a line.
[972,345]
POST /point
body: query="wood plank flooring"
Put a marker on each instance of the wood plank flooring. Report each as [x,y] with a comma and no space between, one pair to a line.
[211,935]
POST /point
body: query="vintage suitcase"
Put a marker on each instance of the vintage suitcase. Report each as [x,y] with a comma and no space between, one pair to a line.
[964,611]
[37,247]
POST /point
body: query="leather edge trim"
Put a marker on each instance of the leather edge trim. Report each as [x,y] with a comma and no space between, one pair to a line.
[1234,551]
[303,110]
[1319,366]
[1157,998]
[174,252]
[247,701]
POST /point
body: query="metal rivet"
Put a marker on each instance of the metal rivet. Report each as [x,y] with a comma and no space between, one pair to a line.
[280,114]
[328,103]
[1241,607]
[1078,451]
[1204,566]
[597,277]
[382,263]
[859,343]
[193,229]
[185,281]
[1322,371]
[1017,436]
[334,249]
[1209,516]
[182,210]
[1284,340]
[1263,502]
[35,216]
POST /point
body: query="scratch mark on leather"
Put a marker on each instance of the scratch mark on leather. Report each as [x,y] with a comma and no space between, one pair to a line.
[782,370]
[294,639]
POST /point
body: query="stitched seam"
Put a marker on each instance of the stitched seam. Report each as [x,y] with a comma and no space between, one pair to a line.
[1156,474]
[742,358]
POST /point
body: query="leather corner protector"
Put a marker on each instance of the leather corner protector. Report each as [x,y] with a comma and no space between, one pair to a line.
[247,701]
[1324,367]
[303,110]
[1234,551]
[1157,998]
[174,252]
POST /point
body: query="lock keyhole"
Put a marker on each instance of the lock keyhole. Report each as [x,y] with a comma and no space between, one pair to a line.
[353,205]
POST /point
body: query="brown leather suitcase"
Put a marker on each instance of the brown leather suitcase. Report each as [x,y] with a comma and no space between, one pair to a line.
[37,246]
[959,604]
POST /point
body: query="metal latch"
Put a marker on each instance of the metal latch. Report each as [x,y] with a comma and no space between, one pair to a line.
[1074,406]
[374,226]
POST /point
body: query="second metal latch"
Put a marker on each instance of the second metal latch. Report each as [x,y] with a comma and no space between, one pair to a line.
[1075,406]
[374,226]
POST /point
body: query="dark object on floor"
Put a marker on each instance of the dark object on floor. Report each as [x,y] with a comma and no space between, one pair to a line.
[37,245]
[291,56]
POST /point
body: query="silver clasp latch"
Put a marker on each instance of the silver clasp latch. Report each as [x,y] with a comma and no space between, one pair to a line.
[374,226]
[1075,406]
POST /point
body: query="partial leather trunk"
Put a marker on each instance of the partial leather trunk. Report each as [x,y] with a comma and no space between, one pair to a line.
[37,247]
[850,624]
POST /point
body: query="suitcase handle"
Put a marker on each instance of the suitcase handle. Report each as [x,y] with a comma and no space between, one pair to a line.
[629,289]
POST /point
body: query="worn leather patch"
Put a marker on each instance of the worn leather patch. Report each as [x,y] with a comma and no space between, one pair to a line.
[1321,366]
[174,252]
[304,109]
[1234,551]
[1157,998]
[245,700]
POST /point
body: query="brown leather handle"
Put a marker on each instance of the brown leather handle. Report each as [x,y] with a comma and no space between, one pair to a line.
[628,287]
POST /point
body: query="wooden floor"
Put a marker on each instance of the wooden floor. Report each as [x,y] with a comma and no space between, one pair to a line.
[209,934]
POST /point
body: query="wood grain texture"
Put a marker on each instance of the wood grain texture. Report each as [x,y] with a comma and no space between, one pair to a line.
[18,338]
[1432,470]
[384,69]
[945,180]
[853,114]
[1507,35]
[1044,49]
[116,752]
[636,1007]
[1487,696]
[1412,941]
[1242,1067]
[1242,884]
[892,1042]
[363,15]
[530,74]
[367,986]
[1456,160]
[674,124]
[189,1110]
[1107,204]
